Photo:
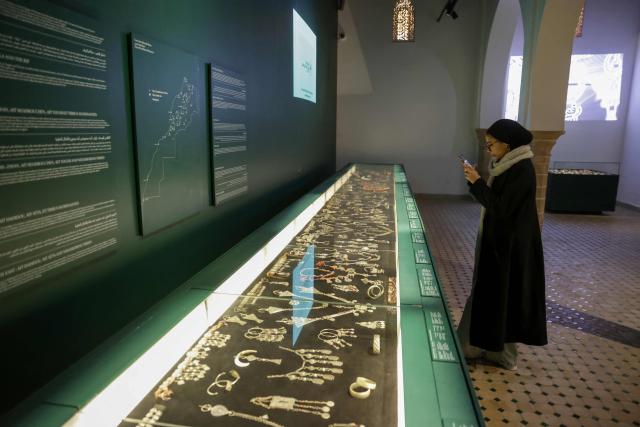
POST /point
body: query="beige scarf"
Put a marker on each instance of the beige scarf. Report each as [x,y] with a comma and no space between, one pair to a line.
[497,168]
[508,160]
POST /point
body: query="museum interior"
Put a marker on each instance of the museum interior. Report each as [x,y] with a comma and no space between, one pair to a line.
[335,195]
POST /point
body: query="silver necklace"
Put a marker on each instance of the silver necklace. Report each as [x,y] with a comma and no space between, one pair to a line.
[311,358]
[315,407]
[221,411]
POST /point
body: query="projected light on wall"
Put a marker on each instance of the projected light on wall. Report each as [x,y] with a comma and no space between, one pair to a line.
[304,60]
[593,92]
[512,99]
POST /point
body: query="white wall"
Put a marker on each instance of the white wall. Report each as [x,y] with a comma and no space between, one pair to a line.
[353,75]
[629,187]
[610,26]
[505,24]
[423,107]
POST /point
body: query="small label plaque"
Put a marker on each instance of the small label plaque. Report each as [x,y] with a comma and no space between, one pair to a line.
[440,339]
[422,255]
[418,237]
[428,282]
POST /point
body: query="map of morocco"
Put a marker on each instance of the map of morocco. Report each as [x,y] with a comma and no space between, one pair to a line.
[180,115]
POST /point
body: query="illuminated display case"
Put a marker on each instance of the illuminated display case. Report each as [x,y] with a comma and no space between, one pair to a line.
[329,314]
[582,187]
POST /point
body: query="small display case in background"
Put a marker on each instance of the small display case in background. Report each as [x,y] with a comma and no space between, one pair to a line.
[589,187]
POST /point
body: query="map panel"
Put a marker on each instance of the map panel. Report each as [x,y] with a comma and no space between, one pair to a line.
[170,132]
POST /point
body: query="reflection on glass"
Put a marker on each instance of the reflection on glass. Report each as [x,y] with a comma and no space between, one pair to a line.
[302,291]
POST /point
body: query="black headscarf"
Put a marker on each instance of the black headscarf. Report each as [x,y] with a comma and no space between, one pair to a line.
[510,132]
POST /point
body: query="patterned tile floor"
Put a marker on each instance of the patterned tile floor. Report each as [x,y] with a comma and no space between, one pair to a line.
[589,373]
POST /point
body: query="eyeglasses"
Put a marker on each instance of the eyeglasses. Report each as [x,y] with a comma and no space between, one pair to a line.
[489,144]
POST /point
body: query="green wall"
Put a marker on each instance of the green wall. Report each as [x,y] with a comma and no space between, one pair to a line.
[48,325]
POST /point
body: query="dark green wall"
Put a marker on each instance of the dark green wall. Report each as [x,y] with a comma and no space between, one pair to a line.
[47,326]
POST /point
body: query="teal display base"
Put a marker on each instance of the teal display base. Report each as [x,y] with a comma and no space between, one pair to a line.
[436,388]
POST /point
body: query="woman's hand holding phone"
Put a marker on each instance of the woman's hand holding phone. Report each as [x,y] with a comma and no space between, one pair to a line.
[470,173]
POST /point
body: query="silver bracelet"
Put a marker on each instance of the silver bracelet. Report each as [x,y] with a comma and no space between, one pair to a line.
[362,383]
[375,346]
[375,291]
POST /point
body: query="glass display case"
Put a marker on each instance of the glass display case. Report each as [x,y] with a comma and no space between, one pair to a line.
[589,187]
[329,315]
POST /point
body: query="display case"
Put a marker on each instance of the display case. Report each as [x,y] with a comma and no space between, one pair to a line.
[582,187]
[331,314]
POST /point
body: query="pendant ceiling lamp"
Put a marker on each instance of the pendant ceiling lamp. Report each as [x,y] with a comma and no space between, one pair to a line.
[580,23]
[403,21]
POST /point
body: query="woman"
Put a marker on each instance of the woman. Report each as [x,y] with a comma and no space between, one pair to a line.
[507,302]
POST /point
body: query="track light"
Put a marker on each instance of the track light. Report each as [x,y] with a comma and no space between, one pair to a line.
[448,10]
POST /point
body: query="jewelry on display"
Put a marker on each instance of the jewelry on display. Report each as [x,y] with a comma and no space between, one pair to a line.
[245,357]
[234,319]
[375,346]
[310,290]
[150,418]
[308,370]
[279,283]
[258,293]
[357,310]
[371,282]
[315,407]
[274,310]
[362,394]
[356,388]
[255,292]
[266,334]
[353,239]
[215,339]
[345,288]
[190,369]
[366,382]
[251,317]
[221,411]
[227,385]
[278,275]
[378,324]
[374,269]
[375,291]
[322,369]
[335,337]
[279,264]
[392,291]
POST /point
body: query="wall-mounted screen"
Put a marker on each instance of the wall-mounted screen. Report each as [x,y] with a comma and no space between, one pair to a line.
[594,87]
[304,60]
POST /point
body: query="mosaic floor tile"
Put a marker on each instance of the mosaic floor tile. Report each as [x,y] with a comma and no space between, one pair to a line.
[589,373]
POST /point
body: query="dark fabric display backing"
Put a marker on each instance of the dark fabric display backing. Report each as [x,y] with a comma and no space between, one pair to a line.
[353,240]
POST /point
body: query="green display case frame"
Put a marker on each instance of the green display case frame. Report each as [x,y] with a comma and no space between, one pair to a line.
[437,390]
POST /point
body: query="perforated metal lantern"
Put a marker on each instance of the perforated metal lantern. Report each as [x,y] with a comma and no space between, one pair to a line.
[403,21]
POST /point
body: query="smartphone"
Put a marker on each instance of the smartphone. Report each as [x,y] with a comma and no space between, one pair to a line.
[463,160]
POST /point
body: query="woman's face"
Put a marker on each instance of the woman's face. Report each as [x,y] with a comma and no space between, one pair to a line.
[495,147]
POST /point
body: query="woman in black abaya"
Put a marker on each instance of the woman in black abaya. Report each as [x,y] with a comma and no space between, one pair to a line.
[507,302]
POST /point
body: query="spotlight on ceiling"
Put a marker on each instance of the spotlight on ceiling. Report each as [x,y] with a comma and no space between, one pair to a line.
[448,10]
